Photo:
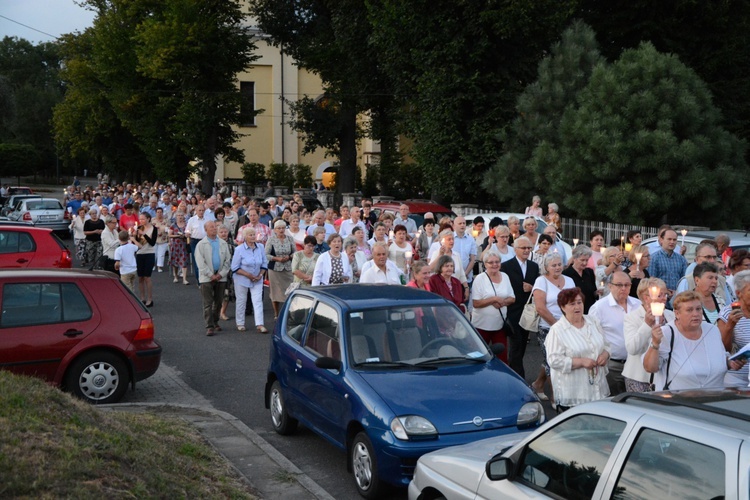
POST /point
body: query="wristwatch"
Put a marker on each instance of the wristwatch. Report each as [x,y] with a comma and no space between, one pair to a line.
[652,345]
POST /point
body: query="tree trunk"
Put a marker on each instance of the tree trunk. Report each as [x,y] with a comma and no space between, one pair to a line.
[209,164]
[348,152]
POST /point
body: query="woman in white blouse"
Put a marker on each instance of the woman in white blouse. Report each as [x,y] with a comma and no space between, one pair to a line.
[577,353]
[332,267]
[491,295]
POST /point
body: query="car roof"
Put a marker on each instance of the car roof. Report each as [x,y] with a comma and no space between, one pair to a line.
[47,273]
[728,408]
[18,226]
[416,206]
[373,296]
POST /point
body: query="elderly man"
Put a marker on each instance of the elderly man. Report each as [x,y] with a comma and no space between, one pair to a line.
[213,259]
[195,231]
[348,225]
[380,269]
[522,273]
[211,205]
[262,232]
[319,220]
[150,209]
[667,264]
[704,252]
[403,219]
[557,246]
[465,246]
[611,311]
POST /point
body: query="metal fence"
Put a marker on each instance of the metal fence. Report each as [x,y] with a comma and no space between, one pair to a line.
[581,229]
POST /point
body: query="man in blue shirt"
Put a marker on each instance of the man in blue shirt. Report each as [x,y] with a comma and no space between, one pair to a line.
[667,264]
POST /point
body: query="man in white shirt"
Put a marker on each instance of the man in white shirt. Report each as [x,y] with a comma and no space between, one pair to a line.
[381,270]
[194,229]
[348,225]
[610,311]
[404,220]
[319,220]
[465,246]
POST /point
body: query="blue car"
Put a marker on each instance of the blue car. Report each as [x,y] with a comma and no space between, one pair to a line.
[389,373]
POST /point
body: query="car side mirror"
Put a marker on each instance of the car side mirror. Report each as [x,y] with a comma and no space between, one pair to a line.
[499,468]
[328,363]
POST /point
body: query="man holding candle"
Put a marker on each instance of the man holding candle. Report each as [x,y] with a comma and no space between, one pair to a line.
[611,311]
[465,246]
[666,264]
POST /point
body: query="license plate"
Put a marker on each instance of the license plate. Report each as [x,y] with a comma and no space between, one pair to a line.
[47,217]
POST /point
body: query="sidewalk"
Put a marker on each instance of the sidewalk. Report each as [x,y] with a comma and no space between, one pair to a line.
[267,471]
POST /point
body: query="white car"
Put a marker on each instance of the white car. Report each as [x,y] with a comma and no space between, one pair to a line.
[738,240]
[42,212]
[504,215]
[671,445]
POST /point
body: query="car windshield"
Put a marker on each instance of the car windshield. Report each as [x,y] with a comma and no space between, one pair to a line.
[401,337]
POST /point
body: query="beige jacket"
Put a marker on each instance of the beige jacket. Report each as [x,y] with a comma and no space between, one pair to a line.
[203,258]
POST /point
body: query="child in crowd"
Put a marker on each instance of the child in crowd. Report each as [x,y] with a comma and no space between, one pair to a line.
[125,260]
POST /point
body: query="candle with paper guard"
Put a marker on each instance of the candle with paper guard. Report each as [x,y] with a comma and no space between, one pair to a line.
[638,257]
[657,309]
[628,247]
[654,292]
[683,233]
[474,233]
[575,242]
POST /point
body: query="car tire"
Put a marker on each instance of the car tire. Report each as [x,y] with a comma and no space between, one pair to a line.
[280,419]
[98,378]
[365,467]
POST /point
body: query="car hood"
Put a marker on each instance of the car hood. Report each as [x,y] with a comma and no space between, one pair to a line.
[465,464]
[459,398]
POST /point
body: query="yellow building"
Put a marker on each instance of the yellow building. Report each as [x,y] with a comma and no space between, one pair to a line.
[265,85]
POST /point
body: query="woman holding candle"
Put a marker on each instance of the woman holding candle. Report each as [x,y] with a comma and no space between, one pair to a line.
[688,353]
[637,331]
[296,233]
[332,267]
[734,325]
[279,249]
[425,238]
[639,258]
[514,225]
[578,354]
[303,262]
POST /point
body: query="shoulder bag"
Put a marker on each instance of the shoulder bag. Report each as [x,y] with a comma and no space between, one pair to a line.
[529,317]
[669,362]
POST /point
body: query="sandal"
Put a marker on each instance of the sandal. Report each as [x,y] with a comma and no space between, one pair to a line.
[175,280]
[542,396]
[224,317]
[262,329]
[241,328]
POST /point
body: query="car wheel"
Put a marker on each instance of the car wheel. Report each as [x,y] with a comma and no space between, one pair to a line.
[282,422]
[365,467]
[98,377]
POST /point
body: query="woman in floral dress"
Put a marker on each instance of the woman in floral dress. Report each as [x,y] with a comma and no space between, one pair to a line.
[178,255]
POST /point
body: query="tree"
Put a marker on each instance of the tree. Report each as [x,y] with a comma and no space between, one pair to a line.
[17,160]
[518,174]
[642,143]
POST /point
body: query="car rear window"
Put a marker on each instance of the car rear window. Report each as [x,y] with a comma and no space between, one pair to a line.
[43,205]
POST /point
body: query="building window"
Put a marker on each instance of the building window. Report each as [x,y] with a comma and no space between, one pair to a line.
[247,104]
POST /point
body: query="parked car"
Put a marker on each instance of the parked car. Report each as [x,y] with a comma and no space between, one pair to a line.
[504,216]
[42,212]
[739,240]
[679,444]
[389,373]
[28,246]
[417,209]
[12,201]
[81,330]
[15,190]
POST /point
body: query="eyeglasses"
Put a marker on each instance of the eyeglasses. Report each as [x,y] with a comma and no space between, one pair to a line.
[709,257]
[492,263]
[621,285]
[524,248]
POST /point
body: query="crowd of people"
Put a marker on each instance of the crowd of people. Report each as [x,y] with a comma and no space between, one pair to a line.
[609,318]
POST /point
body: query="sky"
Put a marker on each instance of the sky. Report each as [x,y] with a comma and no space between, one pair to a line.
[51,17]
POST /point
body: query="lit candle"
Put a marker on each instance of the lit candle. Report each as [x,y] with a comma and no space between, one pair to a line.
[638,257]
[492,233]
[408,254]
[575,242]
[683,232]
[657,309]
[474,233]
[653,292]
[622,242]
[628,247]
[391,234]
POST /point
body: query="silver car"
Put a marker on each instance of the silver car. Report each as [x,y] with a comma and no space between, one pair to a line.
[672,445]
[42,212]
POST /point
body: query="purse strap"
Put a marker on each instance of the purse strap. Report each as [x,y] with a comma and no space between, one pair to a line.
[669,359]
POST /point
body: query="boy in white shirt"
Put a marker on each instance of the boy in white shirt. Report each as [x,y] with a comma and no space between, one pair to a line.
[125,260]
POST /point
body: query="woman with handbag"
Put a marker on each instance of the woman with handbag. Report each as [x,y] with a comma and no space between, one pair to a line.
[578,354]
[279,250]
[110,242]
[491,294]
[545,292]
[688,353]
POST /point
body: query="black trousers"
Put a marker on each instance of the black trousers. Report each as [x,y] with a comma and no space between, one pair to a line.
[519,339]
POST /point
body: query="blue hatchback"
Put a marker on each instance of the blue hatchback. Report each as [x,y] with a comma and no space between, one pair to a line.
[389,373]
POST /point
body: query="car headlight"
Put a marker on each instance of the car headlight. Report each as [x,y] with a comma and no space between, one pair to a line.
[530,414]
[412,426]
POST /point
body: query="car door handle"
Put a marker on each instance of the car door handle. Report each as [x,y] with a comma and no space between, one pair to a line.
[22,261]
[299,363]
[73,333]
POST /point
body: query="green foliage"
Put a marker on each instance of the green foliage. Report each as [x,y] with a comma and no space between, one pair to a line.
[370,182]
[253,173]
[536,128]
[280,174]
[303,177]
[643,143]
[18,159]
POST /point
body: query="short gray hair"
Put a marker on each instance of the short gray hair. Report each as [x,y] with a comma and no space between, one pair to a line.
[553,206]
[547,260]
[582,251]
[741,280]
[349,242]
[521,239]
[110,218]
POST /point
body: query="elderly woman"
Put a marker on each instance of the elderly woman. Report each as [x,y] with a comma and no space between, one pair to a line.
[497,242]
[426,238]
[332,267]
[178,254]
[634,270]
[582,276]
[577,353]
[688,353]
[706,276]
[79,239]
[444,284]
[249,265]
[611,261]
[110,242]
[514,226]
[224,234]
[553,217]
[491,295]
[544,243]
[420,275]
[738,262]
[379,234]
[529,226]
[637,327]
[350,249]
[734,325]
[398,248]
[363,248]
[93,229]
[596,242]
[534,209]
[279,250]
[295,232]
[546,288]
[303,262]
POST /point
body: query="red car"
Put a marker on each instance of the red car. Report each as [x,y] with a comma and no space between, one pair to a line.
[81,330]
[29,246]
[417,209]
